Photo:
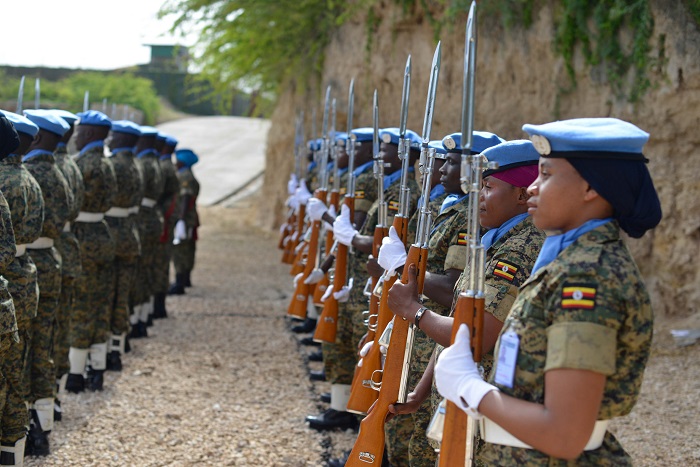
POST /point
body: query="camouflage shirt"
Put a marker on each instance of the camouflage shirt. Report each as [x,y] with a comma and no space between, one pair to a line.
[171,183]
[72,174]
[588,309]
[8,322]
[128,191]
[434,206]
[55,191]
[98,178]
[152,176]
[189,186]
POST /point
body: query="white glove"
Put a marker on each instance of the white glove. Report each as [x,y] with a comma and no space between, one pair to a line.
[343,294]
[315,209]
[457,378]
[180,231]
[392,254]
[302,193]
[343,229]
[297,278]
[315,277]
[333,213]
[327,293]
[364,351]
[292,184]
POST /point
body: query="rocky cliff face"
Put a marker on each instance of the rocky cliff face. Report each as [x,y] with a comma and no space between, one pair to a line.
[518,80]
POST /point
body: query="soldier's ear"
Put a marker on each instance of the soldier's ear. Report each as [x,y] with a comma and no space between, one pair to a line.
[523,195]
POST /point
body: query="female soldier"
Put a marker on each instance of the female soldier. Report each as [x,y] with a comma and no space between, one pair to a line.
[573,349]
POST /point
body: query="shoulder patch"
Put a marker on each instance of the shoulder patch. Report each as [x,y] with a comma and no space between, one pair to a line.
[578,296]
[359,194]
[393,206]
[505,270]
[462,238]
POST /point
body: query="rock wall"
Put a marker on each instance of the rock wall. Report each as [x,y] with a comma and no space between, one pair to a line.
[518,80]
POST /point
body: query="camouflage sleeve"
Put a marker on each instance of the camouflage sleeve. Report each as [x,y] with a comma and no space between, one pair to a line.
[34,211]
[110,181]
[507,270]
[585,316]
[365,191]
[456,257]
[186,188]
[7,236]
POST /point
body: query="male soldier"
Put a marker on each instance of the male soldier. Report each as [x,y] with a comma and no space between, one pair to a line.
[26,206]
[69,249]
[124,137]
[57,197]
[166,205]
[350,318]
[90,327]
[447,257]
[185,235]
[150,223]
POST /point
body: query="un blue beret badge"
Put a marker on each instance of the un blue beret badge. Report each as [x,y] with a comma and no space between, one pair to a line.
[386,138]
[449,143]
[541,144]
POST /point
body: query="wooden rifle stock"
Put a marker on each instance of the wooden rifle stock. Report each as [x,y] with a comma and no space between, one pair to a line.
[299,258]
[327,325]
[291,244]
[323,284]
[286,229]
[369,445]
[297,306]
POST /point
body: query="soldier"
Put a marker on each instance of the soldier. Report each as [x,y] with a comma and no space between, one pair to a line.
[128,248]
[572,351]
[166,205]
[511,243]
[90,317]
[150,224]
[185,234]
[69,249]
[25,204]
[57,197]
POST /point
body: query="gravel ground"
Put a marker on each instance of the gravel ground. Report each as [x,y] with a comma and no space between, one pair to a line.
[223,381]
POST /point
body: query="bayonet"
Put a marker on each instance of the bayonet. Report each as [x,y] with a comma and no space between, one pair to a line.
[104,105]
[350,142]
[405,94]
[378,162]
[333,148]
[404,145]
[37,93]
[323,163]
[20,95]
[86,101]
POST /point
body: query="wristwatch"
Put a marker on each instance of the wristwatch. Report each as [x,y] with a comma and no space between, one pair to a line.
[419,315]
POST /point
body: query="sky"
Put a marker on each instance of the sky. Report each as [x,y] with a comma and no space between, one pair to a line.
[92,34]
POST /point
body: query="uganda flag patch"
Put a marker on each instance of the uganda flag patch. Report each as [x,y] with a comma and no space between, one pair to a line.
[359,194]
[578,296]
[462,238]
[393,206]
[505,270]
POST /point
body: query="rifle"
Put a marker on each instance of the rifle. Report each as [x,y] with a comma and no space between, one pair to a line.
[20,96]
[459,430]
[37,93]
[86,101]
[327,325]
[364,389]
[369,446]
[298,305]
[287,227]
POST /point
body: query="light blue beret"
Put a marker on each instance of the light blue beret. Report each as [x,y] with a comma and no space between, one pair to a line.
[95,118]
[161,136]
[363,134]
[512,154]
[481,140]
[391,135]
[341,137]
[187,157]
[21,123]
[611,138]
[170,141]
[48,121]
[315,144]
[440,150]
[69,117]
[126,126]
[149,131]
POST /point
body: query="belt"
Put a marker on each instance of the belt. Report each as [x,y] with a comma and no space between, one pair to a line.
[495,434]
[134,209]
[66,227]
[148,202]
[89,217]
[117,212]
[21,249]
[40,243]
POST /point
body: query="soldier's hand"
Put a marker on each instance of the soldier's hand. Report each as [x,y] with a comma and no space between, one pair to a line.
[411,405]
[373,267]
[403,298]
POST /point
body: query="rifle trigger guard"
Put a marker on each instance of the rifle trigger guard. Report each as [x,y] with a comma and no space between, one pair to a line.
[376,385]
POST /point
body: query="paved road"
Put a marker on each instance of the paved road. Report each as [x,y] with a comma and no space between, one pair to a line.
[231,151]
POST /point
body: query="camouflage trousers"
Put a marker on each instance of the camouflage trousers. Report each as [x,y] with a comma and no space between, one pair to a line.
[15,386]
[90,316]
[124,275]
[62,341]
[150,222]
[344,352]
[161,267]
[41,363]
[183,256]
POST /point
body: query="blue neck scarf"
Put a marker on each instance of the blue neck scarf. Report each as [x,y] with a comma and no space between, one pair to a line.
[341,172]
[390,179]
[494,235]
[61,145]
[146,152]
[451,200]
[311,166]
[34,153]
[99,143]
[361,169]
[437,191]
[555,244]
[118,150]
[166,157]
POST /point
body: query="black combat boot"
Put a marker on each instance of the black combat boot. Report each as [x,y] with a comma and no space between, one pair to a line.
[57,412]
[114,361]
[316,356]
[186,281]
[178,288]
[332,419]
[138,330]
[308,325]
[75,383]
[95,379]
[37,440]
[159,311]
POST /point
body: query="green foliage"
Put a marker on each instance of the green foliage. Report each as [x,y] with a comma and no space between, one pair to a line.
[693,7]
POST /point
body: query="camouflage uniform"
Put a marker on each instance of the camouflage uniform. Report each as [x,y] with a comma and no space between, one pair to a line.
[166,205]
[184,252]
[26,205]
[94,292]
[150,224]
[57,199]
[607,330]
[126,237]
[8,322]
[69,249]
